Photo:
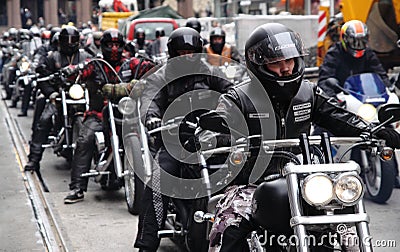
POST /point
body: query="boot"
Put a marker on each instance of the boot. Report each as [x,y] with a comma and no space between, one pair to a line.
[32,166]
[23,114]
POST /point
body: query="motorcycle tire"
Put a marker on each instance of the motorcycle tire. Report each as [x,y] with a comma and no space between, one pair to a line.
[133,161]
[380,179]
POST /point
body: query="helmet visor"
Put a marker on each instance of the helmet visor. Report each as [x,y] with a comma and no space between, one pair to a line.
[357,43]
[70,40]
[281,46]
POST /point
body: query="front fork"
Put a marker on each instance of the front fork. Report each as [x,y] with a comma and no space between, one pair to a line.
[114,142]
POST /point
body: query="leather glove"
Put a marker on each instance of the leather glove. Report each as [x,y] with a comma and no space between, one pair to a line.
[117,91]
[137,88]
[53,96]
[153,123]
[70,70]
[391,136]
[108,90]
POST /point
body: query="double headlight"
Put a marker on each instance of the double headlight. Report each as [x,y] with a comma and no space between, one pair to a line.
[76,92]
[319,189]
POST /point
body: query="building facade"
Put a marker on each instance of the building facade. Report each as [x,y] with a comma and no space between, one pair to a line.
[14,13]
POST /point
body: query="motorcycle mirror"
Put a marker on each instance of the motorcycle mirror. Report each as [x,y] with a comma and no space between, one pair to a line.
[389,113]
[214,122]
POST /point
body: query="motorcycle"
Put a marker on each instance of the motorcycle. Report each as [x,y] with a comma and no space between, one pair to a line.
[180,227]
[363,94]
[312,203]
[74,101]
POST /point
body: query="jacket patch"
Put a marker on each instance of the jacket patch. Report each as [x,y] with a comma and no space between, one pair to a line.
[126,73]
[302,118]
[302,112]
[259,115]
[302,106]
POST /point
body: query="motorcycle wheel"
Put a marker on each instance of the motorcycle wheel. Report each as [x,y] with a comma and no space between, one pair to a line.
[379,179]
[134,187]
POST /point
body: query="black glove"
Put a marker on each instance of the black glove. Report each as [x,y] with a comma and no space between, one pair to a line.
[153,123]
[391,136]
[70,70]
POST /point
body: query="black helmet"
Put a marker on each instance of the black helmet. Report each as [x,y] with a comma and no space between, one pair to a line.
[354,37]
[24,34]
[184,38]
[217,33]
[160,32]
[271,43]
[53,31]
[55,40]
[112,45]
[140,36]
[194,23]
[69,40]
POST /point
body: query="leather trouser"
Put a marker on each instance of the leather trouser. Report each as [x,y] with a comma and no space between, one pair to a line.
[83,155]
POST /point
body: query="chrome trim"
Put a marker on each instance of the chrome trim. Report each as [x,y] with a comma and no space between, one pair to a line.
[329,219]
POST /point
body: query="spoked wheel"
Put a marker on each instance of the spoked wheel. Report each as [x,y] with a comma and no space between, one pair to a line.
[134,187]
[379,179]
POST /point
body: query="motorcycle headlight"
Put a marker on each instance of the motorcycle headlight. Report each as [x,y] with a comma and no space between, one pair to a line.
[237,157]
[126,106]
[348,188]
[25,66]
[367,112]
[76,92]
[317,189]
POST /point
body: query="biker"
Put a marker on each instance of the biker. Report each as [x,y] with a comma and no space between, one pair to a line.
[68,54]
[217,48]
[140,40]
[275,58]
[185,42]
[96,75]
[94,47]
[156,49]
[351,55]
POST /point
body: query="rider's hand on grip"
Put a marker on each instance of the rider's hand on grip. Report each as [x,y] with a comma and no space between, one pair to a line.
[391,136]
[108,90]
[153,123]
[70,70]
[53,96]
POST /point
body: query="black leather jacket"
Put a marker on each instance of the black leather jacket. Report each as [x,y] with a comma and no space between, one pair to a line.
[283,121]
[54,62]
[165,85]
[339,64]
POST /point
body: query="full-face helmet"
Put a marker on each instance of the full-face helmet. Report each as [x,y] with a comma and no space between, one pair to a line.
[217,44]
[194,23]
[184,39]
[354,37]
[270,43]
[69,40]
[112,45]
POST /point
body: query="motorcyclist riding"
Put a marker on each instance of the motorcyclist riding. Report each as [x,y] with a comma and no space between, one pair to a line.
[164,87]
[68,54]
[274,56]
[351,55]
[96,75]
[219,47]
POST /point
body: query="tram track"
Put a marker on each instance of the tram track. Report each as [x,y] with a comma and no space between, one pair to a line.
[36,189]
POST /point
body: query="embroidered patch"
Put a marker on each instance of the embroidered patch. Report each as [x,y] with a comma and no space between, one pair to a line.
[126,73]
[259,115]
[302,118]
[302,106]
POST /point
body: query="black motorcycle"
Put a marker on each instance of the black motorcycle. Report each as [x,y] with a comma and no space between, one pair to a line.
[311,204]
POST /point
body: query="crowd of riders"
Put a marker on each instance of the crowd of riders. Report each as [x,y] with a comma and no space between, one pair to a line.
[274,56]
